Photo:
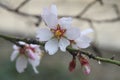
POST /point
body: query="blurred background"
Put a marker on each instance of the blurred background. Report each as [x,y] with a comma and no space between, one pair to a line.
[18,18]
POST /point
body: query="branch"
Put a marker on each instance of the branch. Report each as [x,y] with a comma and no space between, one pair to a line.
[71,50]
[16,11]
[22,4]
[87,8]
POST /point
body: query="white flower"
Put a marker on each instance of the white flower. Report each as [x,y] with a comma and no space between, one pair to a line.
[59,31]
[82,41]
[27,53]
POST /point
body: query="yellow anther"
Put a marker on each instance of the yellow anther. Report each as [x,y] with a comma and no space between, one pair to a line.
[58,33]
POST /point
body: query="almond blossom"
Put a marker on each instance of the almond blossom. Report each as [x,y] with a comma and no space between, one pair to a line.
[58,33]
[83,41]
[26,53]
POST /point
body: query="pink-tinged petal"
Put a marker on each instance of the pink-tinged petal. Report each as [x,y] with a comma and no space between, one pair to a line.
[86,69]
[21,63]
[31,54]
[51,46]
[63,43]
[65,22]
[36,48]
[44,34]
[14,55]
[87,31]
[72,33]
[49,15]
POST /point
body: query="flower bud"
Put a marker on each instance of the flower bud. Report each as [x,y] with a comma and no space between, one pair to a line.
[85,64]
[72,65]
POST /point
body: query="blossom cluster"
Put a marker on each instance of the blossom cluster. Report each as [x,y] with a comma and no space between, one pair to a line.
[26,53]
[57,35]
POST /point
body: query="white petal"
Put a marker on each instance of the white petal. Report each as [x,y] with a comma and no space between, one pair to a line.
[87,31]
[50,16]
[34,46]
[21,42]
[35,63]
[83,42]
[21,63]
[35,70]
[14,55]
[54,9]
[65,22]
[15,47]
[72,33]
[51,46]
[75,46]
[44,34]
[85,38]
[63,43]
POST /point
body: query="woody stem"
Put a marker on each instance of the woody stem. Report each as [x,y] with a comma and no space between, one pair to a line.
[69,49]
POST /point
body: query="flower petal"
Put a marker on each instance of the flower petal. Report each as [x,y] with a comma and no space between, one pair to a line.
[14,55]
[34,46]
[72,33]
[54,9]
[51,46]
[30,54]
[50,16]
[87,31]
[35,63]
[44,34]
[63,43]
[74,46]
[21,43]
[65,22]
[21,63]
[83,42]
[15,47]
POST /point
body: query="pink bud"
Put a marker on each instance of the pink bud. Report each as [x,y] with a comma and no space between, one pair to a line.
[85,64]
[72,65]
[86,69]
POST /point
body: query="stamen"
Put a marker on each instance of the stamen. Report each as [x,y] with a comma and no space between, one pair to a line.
[58,32]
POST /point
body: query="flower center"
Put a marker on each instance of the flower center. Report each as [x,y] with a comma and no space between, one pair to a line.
[58,32]
[23,49]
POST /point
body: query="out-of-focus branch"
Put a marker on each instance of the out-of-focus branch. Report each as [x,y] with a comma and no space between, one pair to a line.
[86,8]
[22,4]
[69,49]
[16,11]
[116,10]
[79,16]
